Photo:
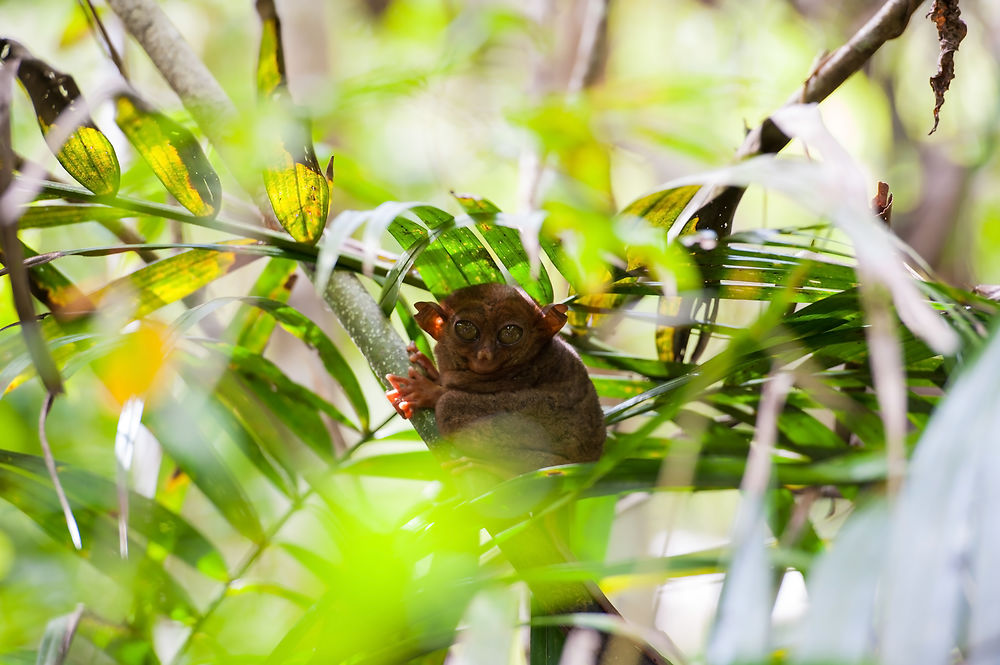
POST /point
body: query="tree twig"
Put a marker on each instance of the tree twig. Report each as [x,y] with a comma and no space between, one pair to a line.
[888,23]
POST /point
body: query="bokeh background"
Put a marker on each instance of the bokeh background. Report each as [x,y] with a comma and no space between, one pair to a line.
[419,98]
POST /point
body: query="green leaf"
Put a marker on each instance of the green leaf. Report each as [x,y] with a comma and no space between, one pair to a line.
[661,209]
[51,215]
[302,327]
[86,154]
[168,532]
[506,244]
[173,154]
[271,59]
[297,406]
[196,455]
[389,296]
[454,260]
[256,431]
[57,638]
[412,465]
[295,183]
[272,589]
[251,328]
[139,574]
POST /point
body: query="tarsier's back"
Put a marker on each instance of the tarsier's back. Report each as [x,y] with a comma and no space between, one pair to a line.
[509,391]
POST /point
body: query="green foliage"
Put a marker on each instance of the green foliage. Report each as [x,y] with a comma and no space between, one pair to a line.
[274,507]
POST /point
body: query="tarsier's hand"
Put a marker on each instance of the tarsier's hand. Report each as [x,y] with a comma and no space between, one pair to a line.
[418,389]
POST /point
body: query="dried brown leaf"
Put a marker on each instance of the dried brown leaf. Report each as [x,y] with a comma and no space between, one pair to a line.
[882,203]
[951,31]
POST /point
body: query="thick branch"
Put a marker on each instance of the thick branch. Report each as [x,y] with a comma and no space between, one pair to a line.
[187,75]
[371,332]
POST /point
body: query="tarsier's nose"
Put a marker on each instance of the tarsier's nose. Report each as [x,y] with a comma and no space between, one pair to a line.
[484,354]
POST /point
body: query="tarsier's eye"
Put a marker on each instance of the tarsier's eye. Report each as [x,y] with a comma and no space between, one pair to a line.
[509,334]
[466,330]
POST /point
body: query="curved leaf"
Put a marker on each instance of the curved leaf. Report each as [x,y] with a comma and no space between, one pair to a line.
[86,154]
[506,243]
[58,636]
[298,407]
[139,574]
[170,279]
[454,260]
[165,531]
[62,214]
[252,328]
[302,327]
[298,190]
[196,455]
[295,183]
[172,153]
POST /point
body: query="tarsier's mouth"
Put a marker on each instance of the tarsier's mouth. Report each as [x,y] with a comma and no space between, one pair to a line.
[484,370]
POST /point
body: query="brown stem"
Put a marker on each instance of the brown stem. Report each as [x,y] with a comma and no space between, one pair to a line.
[888,23]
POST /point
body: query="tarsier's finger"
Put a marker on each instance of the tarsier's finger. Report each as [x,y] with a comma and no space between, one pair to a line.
[425,363]
[399,403]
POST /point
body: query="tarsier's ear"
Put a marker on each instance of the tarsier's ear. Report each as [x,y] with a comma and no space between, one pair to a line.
[431,318]
[553,318]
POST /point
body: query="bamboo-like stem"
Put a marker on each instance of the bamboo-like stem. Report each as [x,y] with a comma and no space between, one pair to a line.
[187,75]
[382,347]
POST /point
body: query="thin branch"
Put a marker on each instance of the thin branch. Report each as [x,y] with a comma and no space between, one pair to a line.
[87,7]
[888,23]
[11,250]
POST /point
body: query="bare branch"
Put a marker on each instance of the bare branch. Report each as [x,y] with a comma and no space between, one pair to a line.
[888,23]
[180,66]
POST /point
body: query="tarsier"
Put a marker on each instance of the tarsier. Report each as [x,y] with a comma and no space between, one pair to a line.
[507,391]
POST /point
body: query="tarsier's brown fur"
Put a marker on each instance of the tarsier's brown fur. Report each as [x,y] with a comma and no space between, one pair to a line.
[520,405]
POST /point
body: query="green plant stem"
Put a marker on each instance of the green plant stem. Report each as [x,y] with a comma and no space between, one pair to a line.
[382,347]
[179,214]
[300,251]
[241,570]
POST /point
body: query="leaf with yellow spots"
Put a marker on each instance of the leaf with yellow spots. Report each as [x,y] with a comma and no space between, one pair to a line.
[296,185]
[86,153]
[145,291]
[173,154]
[299,193]
[168,280]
